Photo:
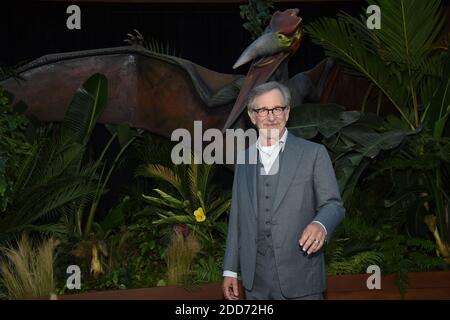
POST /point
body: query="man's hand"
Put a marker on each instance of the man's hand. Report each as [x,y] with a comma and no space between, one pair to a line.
[230,288]
[313,238]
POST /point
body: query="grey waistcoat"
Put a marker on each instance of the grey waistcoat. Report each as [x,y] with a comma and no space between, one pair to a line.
[266,189]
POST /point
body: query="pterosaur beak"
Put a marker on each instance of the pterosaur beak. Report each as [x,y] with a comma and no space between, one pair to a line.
[266,45]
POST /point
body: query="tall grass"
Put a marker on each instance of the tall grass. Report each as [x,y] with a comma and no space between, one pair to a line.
[27,271]
[179,257]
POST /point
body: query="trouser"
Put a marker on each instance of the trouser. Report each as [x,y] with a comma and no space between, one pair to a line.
[266,285]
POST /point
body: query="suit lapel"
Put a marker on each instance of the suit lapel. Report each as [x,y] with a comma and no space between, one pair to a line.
[288,167]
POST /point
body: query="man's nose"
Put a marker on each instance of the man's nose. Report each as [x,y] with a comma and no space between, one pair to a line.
[271,116]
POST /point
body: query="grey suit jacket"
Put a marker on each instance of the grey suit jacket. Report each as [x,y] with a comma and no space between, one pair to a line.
[307,191]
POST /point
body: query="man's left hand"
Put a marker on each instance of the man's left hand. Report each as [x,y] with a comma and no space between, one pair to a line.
[313,238]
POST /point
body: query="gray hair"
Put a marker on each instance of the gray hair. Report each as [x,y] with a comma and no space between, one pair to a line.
[266,87]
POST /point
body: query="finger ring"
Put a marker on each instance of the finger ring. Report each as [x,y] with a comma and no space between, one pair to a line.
[315,240]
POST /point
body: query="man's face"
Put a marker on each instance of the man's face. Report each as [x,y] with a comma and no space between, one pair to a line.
[270,124]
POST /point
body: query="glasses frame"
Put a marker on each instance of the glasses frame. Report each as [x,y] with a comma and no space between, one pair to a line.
[264,112]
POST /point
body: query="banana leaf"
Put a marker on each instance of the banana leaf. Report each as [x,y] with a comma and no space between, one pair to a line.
[437,114]
[327,119]
[86,106]
[370,142]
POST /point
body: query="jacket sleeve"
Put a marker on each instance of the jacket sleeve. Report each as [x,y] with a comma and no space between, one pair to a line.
[231,258]
[329,206]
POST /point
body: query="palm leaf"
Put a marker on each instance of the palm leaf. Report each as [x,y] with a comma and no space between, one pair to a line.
[351,45]
[165,200]
[173,219]
[437,113]
[220,210]
[205,172]
[49,183]
[409,29]
[398,58]
[86,106]
[163,173]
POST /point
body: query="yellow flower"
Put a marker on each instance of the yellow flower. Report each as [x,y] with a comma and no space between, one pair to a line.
[199,215]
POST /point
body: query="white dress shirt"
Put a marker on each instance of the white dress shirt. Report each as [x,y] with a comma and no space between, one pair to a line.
[268,155]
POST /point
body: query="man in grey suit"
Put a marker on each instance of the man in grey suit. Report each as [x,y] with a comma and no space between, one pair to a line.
[284,207]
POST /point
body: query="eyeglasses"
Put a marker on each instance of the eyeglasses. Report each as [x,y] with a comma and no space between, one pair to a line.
[264,112]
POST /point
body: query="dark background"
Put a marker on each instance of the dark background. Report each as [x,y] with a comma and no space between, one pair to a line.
[209,34]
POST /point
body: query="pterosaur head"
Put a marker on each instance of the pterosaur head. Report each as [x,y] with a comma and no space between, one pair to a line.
[280,40]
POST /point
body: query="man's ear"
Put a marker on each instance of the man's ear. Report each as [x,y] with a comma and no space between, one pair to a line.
[287,113]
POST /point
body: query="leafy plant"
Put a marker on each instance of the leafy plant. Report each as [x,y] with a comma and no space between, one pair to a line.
[360,242]
[399,59]
[339,263]
[373,233]
[52,177]
[27,271]
[404,62]
[13,147]
[353,138]
[132,262]
[180,255]
[256,14]
[209,267]
[46,186]
[195,203]
[125,136]
[417,188]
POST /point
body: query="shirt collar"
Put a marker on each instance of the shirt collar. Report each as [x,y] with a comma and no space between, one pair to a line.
[281,142]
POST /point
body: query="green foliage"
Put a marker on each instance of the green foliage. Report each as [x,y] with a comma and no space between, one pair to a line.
[437,110]
[85,107]
[135,251]
[14,147]
[52,176]
[339,263]
[399,59]
[125,137]
[419,174]
[138,260]
[373,233]
[405,64]
[359,243]
[192,200]
[353,139]
[47,184]
[209,267]
[256,13]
